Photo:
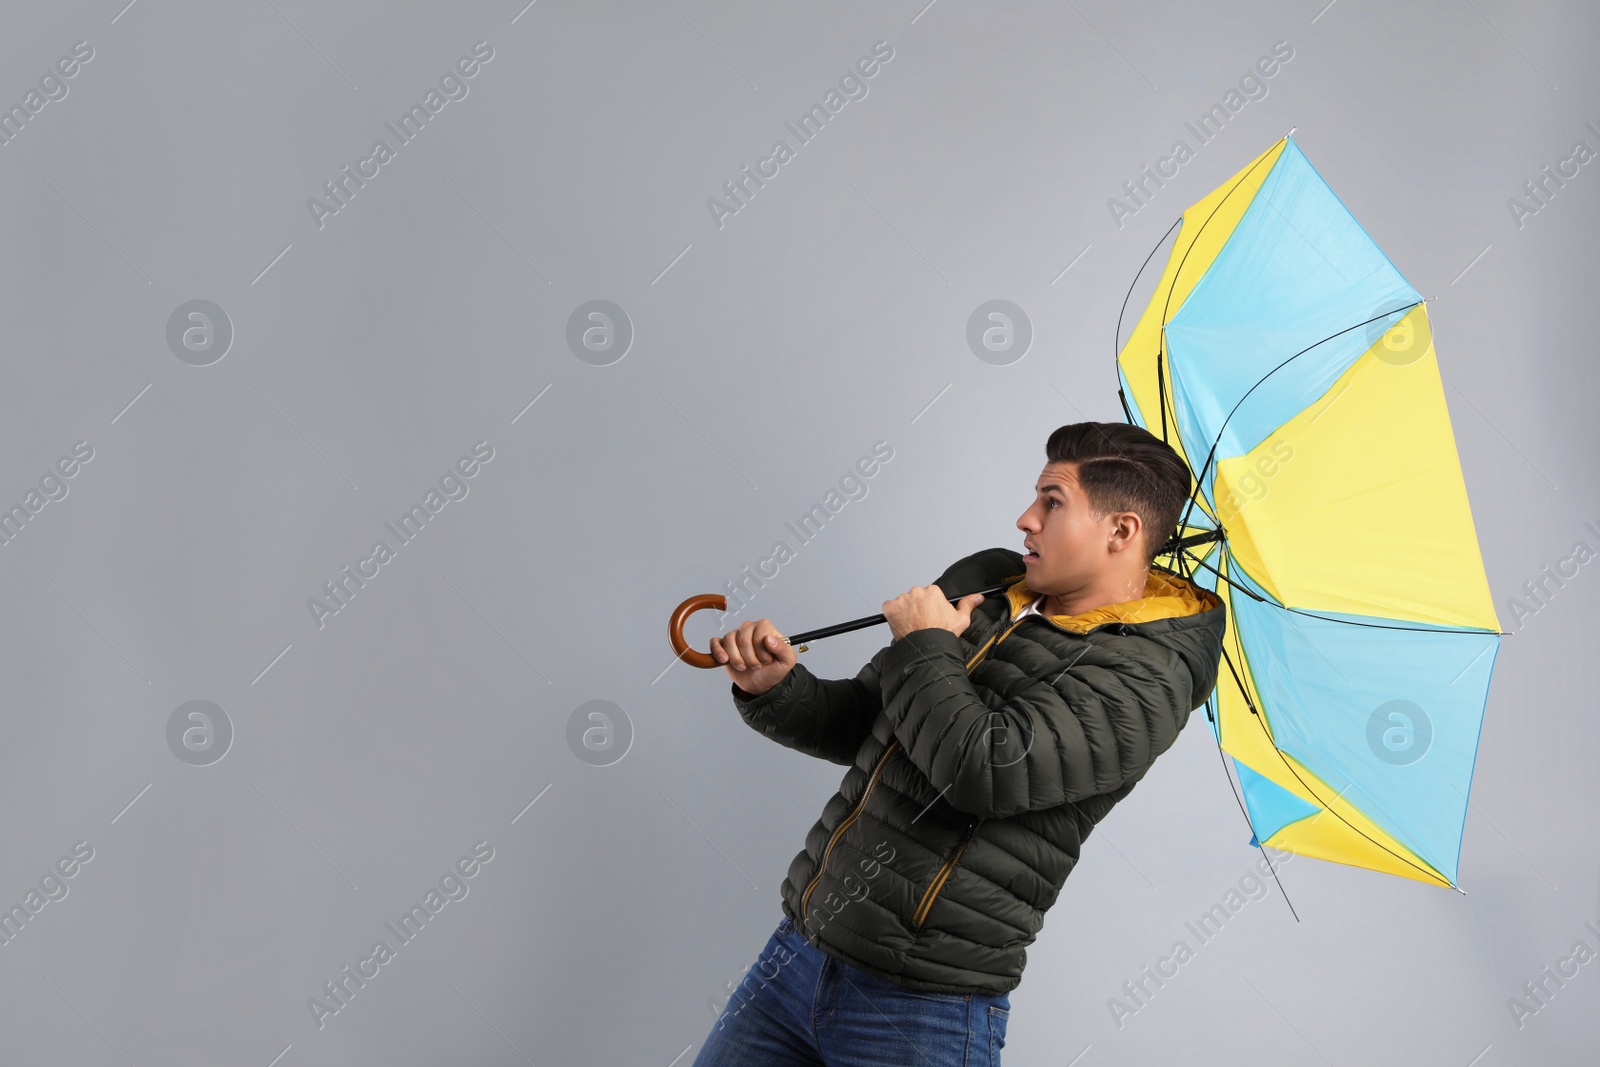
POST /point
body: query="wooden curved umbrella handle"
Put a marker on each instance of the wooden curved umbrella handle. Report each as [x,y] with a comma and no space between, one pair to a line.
[680,615]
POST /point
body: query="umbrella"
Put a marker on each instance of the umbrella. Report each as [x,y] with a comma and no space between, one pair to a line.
[1292,366]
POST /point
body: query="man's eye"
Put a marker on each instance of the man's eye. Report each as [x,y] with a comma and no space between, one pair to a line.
[1049,501]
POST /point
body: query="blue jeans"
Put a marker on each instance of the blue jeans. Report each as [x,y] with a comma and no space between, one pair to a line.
[800,1007]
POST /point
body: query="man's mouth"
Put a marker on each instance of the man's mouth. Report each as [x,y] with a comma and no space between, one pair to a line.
[1030,555]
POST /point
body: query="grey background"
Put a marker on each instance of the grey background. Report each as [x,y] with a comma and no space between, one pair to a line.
[768,356]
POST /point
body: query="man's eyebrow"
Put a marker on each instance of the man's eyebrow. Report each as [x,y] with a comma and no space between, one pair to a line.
[1052,485]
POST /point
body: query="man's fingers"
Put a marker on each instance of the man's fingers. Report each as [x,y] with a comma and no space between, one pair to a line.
[767,641]
[752,646]
[758,643]
[730,645]
[771,643]
[747,647]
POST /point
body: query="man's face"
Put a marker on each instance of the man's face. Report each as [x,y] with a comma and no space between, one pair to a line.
[1070,544]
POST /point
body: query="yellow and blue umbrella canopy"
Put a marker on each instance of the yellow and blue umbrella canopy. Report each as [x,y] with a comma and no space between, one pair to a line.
[1292,366]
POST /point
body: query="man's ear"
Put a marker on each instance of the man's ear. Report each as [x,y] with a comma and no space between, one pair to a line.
[1126,531]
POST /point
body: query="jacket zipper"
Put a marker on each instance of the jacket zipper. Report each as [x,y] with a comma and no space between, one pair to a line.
[860,805]
[920,916]
[992,641]
[844,825]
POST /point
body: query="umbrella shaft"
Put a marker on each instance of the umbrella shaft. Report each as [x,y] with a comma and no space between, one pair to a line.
[1177,543]
[873,620]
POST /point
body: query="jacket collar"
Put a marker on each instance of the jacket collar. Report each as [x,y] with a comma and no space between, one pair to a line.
[1166,596]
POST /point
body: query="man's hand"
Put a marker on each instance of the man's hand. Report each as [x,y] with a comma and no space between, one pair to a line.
[755,655]
[925,606]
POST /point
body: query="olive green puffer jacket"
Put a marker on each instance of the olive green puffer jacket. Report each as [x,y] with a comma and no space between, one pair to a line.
[978,765]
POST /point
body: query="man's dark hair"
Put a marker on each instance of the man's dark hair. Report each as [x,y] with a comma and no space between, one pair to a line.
[1125,468]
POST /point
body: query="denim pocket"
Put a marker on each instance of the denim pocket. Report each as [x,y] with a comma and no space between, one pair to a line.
[998,1018]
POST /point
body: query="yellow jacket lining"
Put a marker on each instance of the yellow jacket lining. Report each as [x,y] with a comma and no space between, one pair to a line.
[1165,596]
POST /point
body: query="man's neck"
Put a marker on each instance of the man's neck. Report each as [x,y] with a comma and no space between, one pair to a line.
[1113,590]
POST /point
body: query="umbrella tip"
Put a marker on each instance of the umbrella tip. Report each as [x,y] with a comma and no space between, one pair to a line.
[1291,131]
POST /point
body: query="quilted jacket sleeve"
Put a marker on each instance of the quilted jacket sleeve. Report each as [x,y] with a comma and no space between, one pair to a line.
[1089,725]
[830,719]
[821,717]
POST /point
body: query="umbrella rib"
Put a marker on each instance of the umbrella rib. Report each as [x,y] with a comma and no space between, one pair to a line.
[1385,626]
[1329,618]
[1239,800]
[1290,767]
[1117,337]
[1161,388]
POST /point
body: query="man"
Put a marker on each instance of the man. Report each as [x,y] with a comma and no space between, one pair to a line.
[984,744]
